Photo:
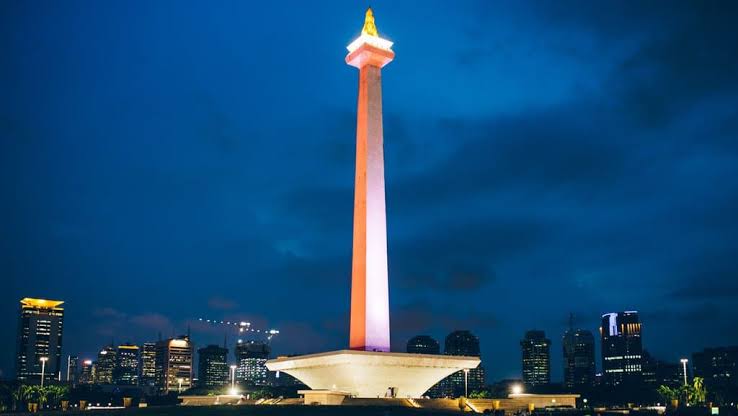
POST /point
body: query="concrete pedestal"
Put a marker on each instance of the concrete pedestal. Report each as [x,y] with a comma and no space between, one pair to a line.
[371,374]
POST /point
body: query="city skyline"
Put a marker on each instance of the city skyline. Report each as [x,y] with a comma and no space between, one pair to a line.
[171,365]
[201,164]
[126,363]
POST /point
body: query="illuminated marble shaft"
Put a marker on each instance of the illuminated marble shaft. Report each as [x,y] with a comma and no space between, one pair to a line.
[368,369]
[370,330]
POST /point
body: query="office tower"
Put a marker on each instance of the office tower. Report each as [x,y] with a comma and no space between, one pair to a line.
[622,348]
[148,364]
[86,375]
[73,370]
[105,365]
[423,344]
[658,372]
[579,359]
[460,343]
[174,364]
[719,368]
[251,358]
[126,369]
[536,353]
[93,372]
[39,343]
[212,366]
[282,379]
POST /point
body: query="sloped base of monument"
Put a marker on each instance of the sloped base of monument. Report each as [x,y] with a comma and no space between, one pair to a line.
[372,374]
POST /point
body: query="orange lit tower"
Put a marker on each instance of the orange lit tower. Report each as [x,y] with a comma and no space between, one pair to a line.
[368,369]
[369,289]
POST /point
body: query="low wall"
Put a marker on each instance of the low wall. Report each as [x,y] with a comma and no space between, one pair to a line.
[514,403]
[518,402]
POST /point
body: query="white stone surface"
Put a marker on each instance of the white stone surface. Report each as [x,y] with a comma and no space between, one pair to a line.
[371,374]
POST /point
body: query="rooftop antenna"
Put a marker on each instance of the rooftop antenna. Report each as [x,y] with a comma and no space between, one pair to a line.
[571,321]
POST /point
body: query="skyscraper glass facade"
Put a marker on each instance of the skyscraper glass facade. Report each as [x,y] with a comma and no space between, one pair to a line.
[40,327]
[536,358]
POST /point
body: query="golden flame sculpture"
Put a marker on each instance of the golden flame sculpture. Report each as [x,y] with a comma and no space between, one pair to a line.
[369,27]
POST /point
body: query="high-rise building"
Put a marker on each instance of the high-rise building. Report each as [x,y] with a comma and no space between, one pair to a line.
[460,343]
[251,358]
[126,369]
[86,375]
[174,364]
[212,368]
[93,372]
[148,364]
[423,344]
[105,365]
[719,368]
[657,372]
[536,353]
[73,370]
[579,359]
[282,379]
[622,348]
[39,343]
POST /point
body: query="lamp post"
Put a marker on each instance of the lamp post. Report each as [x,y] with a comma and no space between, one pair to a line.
[466,383]
[233,379]
[684,366]
[43,368]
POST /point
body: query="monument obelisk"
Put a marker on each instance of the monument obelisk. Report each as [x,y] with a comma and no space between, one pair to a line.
[368,368]
[370,330]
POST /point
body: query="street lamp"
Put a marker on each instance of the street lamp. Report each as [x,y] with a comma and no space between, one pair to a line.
[43,368]
[233,380]
[684,366]
[517,389]
[466,382]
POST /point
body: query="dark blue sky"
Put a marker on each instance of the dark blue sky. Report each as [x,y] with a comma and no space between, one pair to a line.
[162,161]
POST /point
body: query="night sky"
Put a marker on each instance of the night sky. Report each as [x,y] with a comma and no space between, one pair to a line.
[164,161]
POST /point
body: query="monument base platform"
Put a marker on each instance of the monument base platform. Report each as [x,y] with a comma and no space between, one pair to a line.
[372,374]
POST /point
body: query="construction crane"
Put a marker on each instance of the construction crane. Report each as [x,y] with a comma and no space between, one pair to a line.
[242,328]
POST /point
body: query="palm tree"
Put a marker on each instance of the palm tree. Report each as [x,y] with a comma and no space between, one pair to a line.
[6,396]
[55,393]
[668,393]
[699,392]
[22,395]
[39,395]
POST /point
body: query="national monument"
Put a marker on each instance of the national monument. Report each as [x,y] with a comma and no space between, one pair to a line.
[368,368]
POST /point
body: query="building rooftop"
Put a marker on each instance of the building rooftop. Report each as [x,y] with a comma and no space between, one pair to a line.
[40,303]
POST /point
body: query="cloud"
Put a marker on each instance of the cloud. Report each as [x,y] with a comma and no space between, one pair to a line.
[711,284]
[108,312]
[423,317]
[220,303]
[112,323]
[152,321]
